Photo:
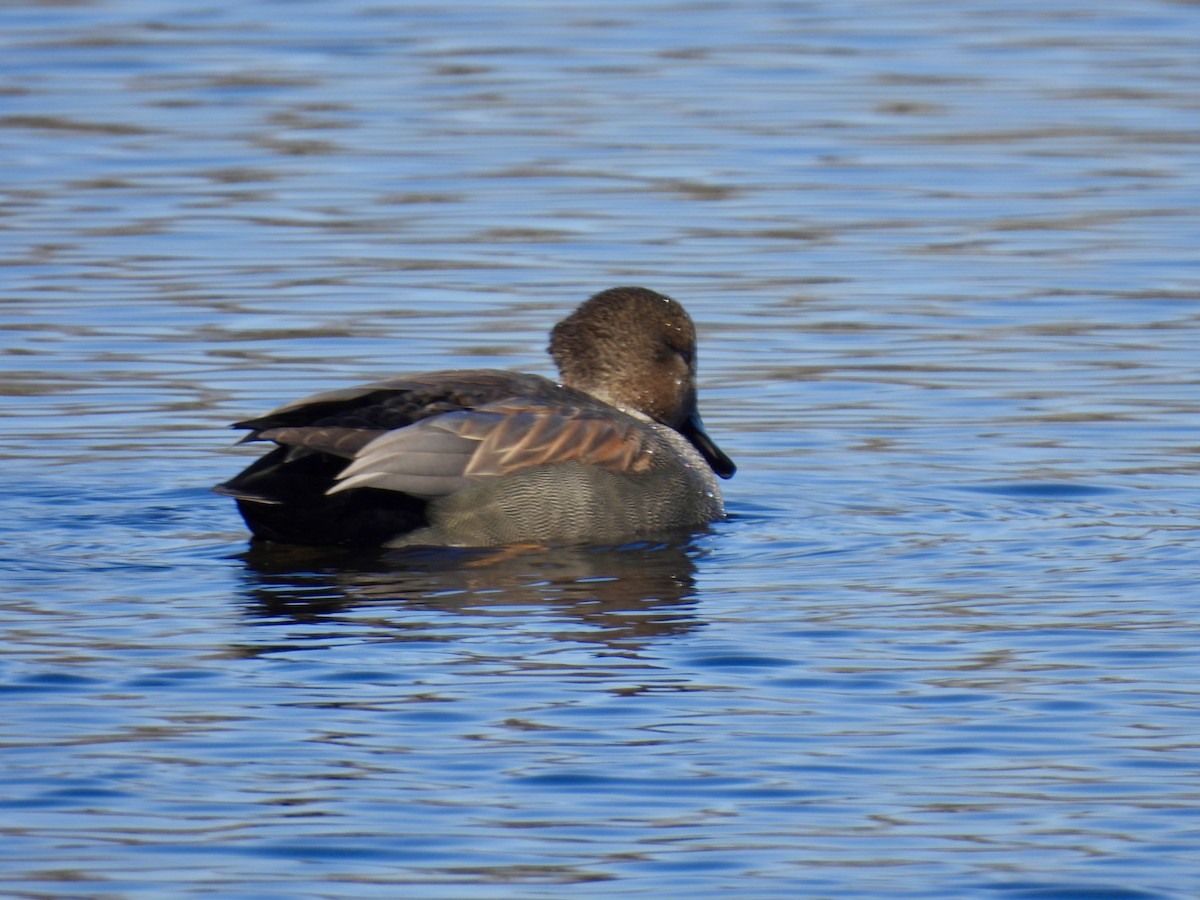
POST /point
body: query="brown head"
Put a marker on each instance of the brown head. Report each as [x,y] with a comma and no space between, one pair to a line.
[634,348]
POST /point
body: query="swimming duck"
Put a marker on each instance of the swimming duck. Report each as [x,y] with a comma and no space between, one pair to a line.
[484,458]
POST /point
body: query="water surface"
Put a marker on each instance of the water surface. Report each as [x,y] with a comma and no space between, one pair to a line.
[942,258]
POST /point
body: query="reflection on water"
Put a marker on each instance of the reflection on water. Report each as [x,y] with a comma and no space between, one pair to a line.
[942,261]
[619,597]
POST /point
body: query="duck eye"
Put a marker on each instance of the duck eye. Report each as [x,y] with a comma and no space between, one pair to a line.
[677,342]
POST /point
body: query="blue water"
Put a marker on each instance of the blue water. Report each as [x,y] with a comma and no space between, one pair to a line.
[943,261]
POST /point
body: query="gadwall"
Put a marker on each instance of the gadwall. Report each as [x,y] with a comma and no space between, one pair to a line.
[483,458]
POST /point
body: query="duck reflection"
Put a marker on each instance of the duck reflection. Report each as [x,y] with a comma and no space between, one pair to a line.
[620,596]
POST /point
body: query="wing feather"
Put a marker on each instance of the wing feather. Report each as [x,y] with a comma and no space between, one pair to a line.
[343,442]
[443,454]
[425,460]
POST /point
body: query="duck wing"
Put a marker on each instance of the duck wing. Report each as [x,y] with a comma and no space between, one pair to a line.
[394,403]
[317,435]
[432,434]
[440,455]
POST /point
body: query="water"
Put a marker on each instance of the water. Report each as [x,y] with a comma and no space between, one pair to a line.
[943,261]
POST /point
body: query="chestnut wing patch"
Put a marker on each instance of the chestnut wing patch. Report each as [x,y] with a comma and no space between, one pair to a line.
[442,454]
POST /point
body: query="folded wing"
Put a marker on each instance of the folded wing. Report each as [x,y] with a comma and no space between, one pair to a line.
[443,454]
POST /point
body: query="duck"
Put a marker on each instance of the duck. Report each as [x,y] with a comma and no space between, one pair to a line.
[613,451]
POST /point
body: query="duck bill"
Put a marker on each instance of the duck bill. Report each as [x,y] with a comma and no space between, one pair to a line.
[693,429]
